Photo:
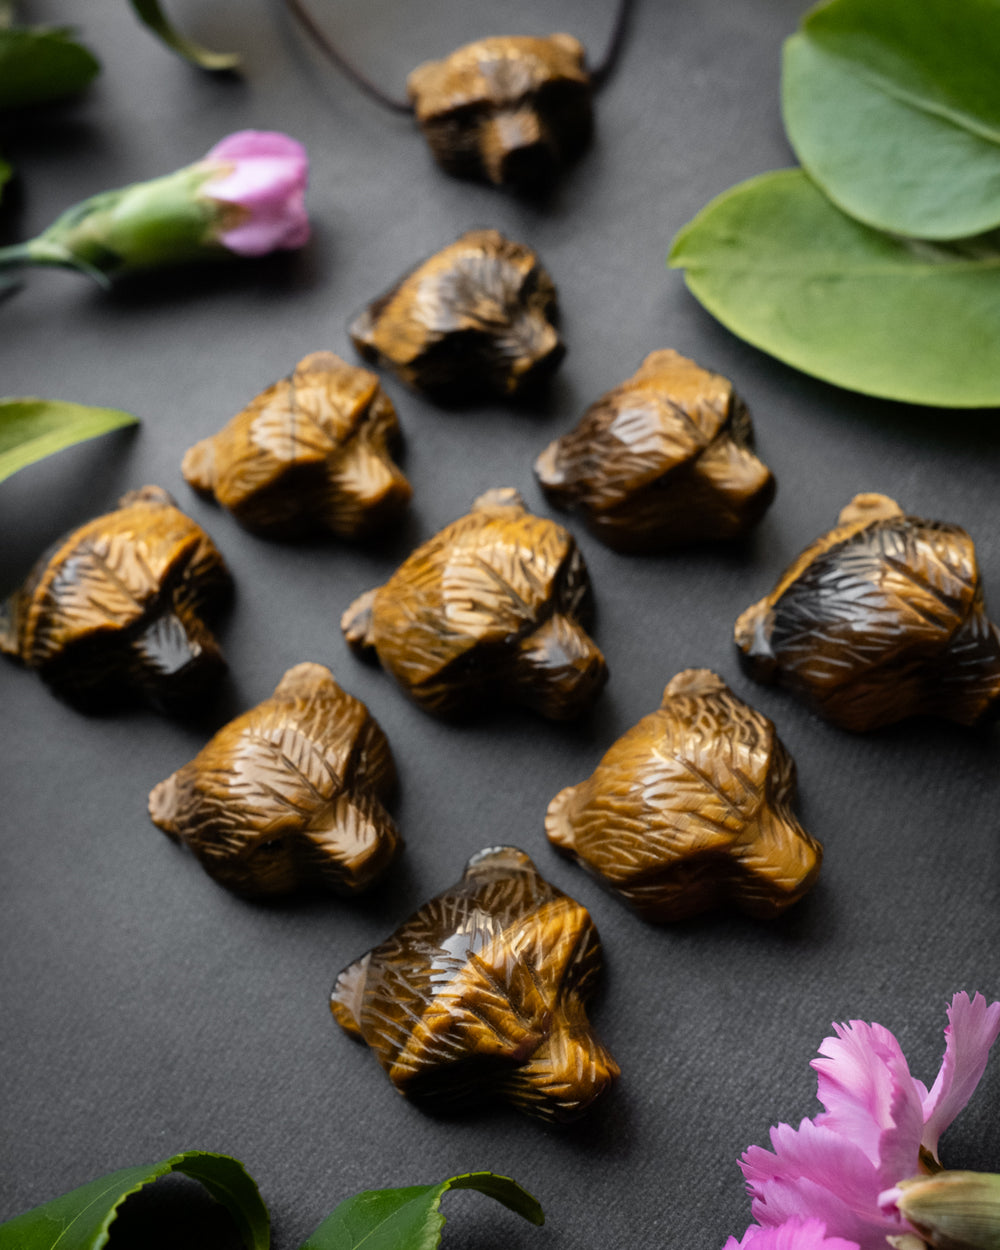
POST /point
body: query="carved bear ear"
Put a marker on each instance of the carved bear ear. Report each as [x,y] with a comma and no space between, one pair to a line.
[693,681]
[869,507]
[499,497]
[198,466]
[568,43]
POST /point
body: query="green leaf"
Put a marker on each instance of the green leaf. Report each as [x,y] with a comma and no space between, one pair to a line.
[409,1219]
[784,269]
[151,14]
[39,65]
[31,429]
[892,106]
[80,1219]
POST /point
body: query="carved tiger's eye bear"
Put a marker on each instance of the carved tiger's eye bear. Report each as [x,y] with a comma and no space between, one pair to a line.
[880,619]
[691,809]
[665,458]
[493,605]
[113,611]
[289,794]
[312,452]
[508,110]
[475,318]
[482,994]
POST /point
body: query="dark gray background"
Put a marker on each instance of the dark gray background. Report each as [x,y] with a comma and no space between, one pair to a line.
[144,1010]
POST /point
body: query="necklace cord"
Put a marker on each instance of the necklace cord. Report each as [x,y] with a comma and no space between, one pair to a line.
[598,75]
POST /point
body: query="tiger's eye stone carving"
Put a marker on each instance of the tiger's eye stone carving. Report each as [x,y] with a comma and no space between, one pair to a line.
[482,993]
[880,619]
[507,110]
[492,605]
[114,610]
[312,452]
[289,794]
[665,458]
[475,318]
[691,809]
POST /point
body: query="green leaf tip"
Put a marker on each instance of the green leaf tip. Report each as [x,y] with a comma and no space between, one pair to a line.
[81,1219]
[784,269]
[31,429]
[41,64]
[892,109]
[151,14]
[409,1218]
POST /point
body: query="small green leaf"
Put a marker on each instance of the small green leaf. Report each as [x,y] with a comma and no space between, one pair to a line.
[31,429]
[409,1219]
[783,268]
[80,1219]
[893,108]
[151,14]
[39,65]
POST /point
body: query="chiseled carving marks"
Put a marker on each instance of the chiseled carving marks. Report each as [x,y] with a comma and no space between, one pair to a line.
[114,610]
[310,453]
[879,619]
[691,809]
[492,605]
[289,794]
[509,110]
[475,318]
[665,458]
[482,993]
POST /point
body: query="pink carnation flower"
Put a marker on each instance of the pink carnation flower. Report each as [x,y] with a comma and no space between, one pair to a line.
[841,1166]
[263,174]
[795,1234]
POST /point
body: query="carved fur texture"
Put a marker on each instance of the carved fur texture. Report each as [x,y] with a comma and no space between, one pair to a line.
[880,619]
[492,606]
[311,453]
[692,810]
[663,459]
[114,611]
[289,794]
[482,994]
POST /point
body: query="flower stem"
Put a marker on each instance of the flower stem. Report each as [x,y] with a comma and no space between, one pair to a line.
[41,251]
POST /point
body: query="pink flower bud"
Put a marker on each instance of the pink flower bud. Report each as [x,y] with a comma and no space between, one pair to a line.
[262,175]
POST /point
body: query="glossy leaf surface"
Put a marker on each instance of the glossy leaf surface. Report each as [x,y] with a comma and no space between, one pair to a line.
[783,268]
[39,65]
[893,109]
[31,429]
[151,14]
[81,1219]
[410,1218]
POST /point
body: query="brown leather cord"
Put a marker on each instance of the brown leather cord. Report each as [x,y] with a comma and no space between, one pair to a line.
[598,75]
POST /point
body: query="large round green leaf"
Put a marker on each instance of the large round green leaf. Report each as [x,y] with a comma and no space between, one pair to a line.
[38,65]
[893,107]
[784,269]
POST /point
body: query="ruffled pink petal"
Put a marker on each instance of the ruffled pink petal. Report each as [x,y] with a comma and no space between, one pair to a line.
[971,1030]
[814,1172]
[266,176]
[795,1234]
[865,1085]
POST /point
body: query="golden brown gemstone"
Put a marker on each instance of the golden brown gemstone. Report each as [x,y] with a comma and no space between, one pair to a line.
[509,110]
[475,318]
[881,618]
[665,458]
[482,993]
[114,609]
[492,606]
[310,453]
[691,809]
[289,794]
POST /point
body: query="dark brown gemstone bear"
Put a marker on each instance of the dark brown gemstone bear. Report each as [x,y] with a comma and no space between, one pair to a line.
[665,458]
[880,619]
[114,610]
[482,994]
[289,794]
[493,605]
[691,809]
[310,453]
[474,319]
[508,110]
